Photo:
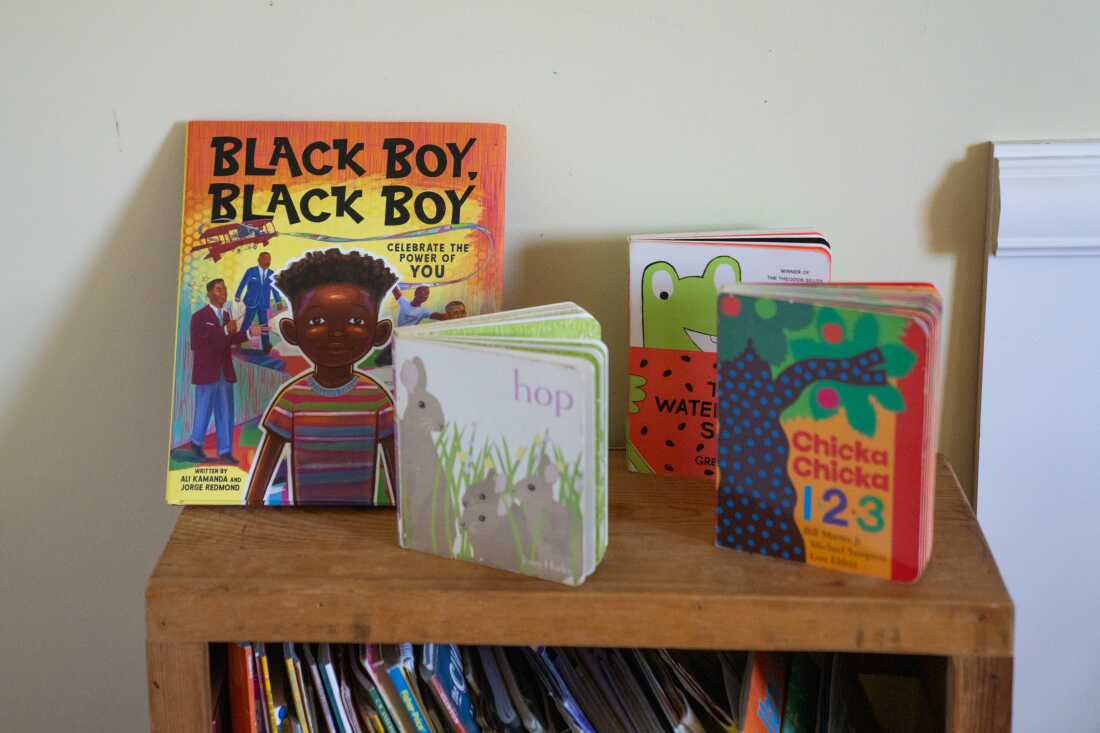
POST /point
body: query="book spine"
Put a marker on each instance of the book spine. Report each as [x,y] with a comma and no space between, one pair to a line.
[379,706]
[376,670]
[296,694]
[242,679]
[448,707]
[405,693]
[271,719]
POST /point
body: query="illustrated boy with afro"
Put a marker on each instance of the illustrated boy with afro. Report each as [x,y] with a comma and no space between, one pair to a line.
[334,417]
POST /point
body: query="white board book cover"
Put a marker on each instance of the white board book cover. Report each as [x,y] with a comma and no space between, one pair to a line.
[674,284]
[502,440]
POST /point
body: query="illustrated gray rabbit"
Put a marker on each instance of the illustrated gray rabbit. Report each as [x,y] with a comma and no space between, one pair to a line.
[422,418]
[488,518]
[545,517]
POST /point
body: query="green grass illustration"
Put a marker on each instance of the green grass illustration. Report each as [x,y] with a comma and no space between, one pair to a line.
[462,460]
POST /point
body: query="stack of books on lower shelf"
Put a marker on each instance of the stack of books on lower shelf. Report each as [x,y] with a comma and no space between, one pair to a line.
[443,688]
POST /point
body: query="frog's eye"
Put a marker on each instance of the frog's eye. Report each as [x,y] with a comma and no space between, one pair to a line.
[661,282]
[724,275]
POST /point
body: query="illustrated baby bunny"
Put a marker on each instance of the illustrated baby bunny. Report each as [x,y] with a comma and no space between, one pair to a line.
[423,416]
[546,518]
[488,518]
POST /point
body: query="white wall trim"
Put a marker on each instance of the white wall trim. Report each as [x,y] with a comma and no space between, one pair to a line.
[1044,199]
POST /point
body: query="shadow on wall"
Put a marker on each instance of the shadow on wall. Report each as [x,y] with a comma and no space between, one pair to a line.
[955,220]
[84,517]
[590,271]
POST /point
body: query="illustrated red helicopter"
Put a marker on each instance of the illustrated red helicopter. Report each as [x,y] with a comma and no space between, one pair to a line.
[222,239]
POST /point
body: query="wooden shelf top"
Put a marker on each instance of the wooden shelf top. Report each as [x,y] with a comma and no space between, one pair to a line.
[312,574]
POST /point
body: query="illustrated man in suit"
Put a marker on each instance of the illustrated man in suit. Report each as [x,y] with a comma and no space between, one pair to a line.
[213,333]
[258,286]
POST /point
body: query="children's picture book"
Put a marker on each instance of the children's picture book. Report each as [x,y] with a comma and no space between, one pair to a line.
[674,284]
[369,700]
[441,669]
[827,401]
[372,660]
[502,440]
[242,681]
[444,688]
[400,665]
[317,689]
[302,246]
[762,695]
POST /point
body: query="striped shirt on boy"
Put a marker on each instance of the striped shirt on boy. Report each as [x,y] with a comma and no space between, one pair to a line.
[334,436]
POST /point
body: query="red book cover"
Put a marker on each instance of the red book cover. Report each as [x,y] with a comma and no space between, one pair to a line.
[242,682]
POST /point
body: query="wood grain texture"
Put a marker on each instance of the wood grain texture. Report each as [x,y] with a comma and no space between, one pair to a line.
[179,687]
[979,695]
[338,575]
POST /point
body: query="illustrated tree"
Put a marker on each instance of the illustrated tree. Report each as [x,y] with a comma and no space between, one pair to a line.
[783,360]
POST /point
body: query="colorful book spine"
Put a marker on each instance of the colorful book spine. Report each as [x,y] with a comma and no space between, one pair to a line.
[442,670]
[265,680]
[242,680]
[379,706]
[766,683]
[407,695]
[293,670]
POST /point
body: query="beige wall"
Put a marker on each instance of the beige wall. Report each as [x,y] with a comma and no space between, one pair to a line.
[865,119]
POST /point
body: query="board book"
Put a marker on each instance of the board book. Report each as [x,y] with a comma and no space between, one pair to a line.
[674,284]
[827,401]
[502,440]
[274,216]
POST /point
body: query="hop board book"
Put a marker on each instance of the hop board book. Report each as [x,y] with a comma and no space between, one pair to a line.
[502,440]
[302,246]
[827,406]
[674,284]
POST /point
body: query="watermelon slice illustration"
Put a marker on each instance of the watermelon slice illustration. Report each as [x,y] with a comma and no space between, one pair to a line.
[672,412]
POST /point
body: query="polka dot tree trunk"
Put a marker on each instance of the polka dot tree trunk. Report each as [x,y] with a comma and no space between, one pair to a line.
[756,499]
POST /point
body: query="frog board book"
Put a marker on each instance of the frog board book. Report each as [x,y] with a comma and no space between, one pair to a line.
[502,440]
[827,408]
[674,283]
[303,244]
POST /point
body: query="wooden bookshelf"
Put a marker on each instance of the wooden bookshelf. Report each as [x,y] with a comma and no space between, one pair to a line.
[311,574]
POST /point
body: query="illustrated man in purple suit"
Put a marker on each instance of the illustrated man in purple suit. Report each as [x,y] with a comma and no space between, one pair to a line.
[213,333]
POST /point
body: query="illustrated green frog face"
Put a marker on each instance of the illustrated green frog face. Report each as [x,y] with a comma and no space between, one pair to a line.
[682,312]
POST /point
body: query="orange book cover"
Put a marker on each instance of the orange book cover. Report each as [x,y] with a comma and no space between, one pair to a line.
[242,700]
[302,246]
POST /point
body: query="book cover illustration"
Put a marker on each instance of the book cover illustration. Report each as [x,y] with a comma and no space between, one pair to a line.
[674,285]
[503,440]
[826,443]
[303,244]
